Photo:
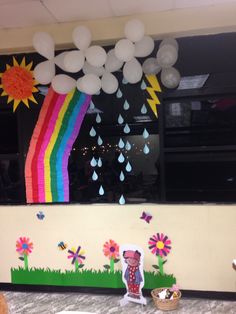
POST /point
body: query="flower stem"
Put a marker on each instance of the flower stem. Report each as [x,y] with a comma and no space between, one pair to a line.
[26,261]
[160,264]
[76,265]
[112,263]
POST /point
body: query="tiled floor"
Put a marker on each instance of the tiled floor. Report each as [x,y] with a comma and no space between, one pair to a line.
[51,303]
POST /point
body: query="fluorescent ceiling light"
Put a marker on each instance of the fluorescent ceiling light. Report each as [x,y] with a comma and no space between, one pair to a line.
[93,111]
[191,82]
[142,118]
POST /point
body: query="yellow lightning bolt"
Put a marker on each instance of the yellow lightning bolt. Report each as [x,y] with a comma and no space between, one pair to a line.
[155,87]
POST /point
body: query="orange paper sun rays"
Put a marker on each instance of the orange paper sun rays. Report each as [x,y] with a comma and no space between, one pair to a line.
[18,83]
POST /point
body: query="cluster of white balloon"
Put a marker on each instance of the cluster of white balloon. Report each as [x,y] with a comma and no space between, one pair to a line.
[97,65]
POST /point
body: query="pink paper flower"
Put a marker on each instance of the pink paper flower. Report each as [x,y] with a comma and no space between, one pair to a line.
[159,244]
[24,246]
[111,249]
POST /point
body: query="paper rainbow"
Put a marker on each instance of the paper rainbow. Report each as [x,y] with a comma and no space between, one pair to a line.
[58,125]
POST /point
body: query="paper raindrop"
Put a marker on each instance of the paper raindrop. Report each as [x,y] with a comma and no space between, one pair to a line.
[127,146]
[144,109]
[126,105]
[121,143]
[122,177]
[128,167]
[92,132]
[146,149]
[91,106]
[98,118]
[101,190]
[126,129]
[119,94]
[94,176]
[143,85]
[122,200]
[121,158]
[124,81]
[99,141]
[99,162]
[93,162]
[120,119]
[145,133]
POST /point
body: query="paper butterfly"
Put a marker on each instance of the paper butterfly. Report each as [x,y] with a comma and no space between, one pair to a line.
[146,217]
[40,215]
[62,246]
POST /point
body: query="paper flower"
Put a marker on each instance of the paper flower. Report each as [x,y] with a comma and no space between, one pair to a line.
[159,244]
[111,250]
[24,246]
[77,257]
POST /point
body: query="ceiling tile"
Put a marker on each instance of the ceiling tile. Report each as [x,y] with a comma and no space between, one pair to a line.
[180,4]
[130,7]
[72,10]
[23,14]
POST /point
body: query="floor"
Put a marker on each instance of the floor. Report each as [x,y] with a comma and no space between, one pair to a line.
[51,303]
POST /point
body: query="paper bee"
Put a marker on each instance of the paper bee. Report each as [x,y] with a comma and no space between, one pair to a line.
[146,217]
[62,246]
[40,215]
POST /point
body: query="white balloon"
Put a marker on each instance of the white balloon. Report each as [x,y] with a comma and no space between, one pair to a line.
[82,37]
[132,71]
[170,77]
[170,41]
[134,30]
[167,55]
[124,50]
[96,56]
[89,69]
[112,64]
[91,84]
[44,44]
[109,83]
[79,85]
[151,66]
[63,84]
[59,60]
[144,47]
[74,61]
[44,72]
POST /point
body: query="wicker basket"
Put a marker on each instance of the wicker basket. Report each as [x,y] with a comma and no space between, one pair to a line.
[165,304]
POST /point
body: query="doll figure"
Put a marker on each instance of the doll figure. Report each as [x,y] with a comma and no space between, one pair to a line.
[132,262]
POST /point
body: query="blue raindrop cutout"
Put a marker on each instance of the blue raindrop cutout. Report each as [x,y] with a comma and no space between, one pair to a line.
[119,94]
[127,146]
[146,149]
[91,106]
[122,200]
[128,167]
[101,190]
[126,105]
[143,85]
[144,109]
[122,176]
[94,176]
[99,141]
[120,119]
[93,162]
[121,158]
[121,143]
[145,133]
[99,162]
[124,81]
[98,118]
[126,129]
[92,132]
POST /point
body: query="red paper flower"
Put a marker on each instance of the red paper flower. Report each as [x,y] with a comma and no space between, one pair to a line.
[111,249]
[24,246]
[159,244]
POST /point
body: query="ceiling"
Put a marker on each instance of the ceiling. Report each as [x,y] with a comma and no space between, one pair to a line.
[26,13]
